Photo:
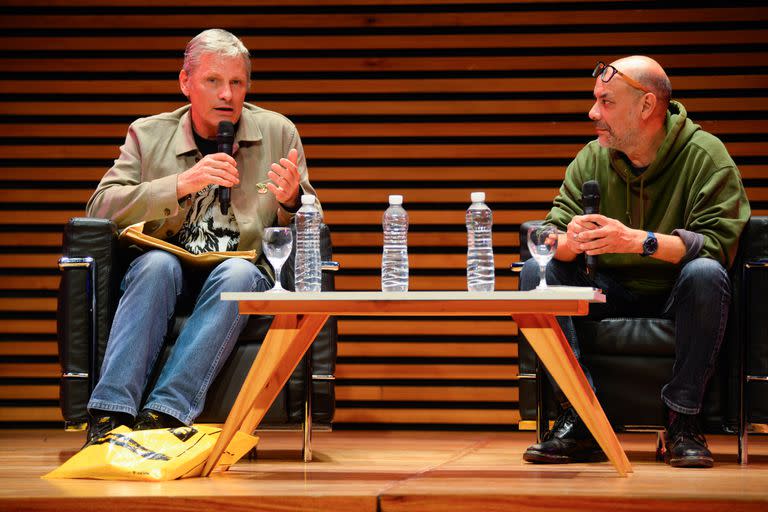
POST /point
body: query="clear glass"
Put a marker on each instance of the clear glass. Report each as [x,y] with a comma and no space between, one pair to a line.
[277,243]
[542,242]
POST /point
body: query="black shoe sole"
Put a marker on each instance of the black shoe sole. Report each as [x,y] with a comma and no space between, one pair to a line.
[691,462]
[538,457]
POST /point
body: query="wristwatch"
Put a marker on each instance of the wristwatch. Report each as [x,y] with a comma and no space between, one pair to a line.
[650,245]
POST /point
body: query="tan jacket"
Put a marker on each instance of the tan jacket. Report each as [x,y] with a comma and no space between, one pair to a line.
[141,186]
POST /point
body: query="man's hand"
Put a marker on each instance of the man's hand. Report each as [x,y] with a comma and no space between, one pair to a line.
[597,234]
[285,180]
[576,226]
[217,168]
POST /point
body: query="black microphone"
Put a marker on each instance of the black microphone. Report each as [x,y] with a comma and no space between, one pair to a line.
[226,139]
[590,201]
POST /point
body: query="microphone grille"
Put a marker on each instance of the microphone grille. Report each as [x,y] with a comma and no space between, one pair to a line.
[590,188]
[226,129]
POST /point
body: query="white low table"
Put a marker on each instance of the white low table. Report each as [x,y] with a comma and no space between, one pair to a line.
[300,316]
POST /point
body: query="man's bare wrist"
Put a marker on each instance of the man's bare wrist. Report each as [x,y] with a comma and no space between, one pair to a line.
[182,188]
[640,240]
[181,191]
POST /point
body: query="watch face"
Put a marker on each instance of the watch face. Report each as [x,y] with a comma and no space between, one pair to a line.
[650,245]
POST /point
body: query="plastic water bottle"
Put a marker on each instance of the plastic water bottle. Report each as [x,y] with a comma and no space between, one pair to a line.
[308,271]
[394,262]
[480,269]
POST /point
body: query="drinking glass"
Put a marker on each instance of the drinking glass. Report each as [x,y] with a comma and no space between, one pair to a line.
[277,243]
[542,242]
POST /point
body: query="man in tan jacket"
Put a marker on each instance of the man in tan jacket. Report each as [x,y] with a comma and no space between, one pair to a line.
[169,174]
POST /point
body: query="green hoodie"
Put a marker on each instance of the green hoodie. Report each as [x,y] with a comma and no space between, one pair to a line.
[692,184]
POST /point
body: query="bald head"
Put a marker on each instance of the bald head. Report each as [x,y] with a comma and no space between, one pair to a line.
[630,108]
[650,74]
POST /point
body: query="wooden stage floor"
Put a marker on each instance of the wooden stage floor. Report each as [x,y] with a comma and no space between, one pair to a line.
[393,471]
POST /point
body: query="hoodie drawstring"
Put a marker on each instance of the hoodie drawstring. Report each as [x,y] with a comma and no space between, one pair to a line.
[629,202]
[642,203]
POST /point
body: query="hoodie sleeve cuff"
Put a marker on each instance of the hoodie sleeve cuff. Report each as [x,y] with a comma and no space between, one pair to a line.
[693,243]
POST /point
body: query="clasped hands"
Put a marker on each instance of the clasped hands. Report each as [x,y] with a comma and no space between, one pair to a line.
[221,169]
[595,234]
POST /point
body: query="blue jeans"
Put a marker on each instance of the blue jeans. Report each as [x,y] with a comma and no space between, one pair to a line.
[698,303]
[153,285]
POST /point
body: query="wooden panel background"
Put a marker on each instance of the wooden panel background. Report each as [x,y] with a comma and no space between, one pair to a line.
[425,98]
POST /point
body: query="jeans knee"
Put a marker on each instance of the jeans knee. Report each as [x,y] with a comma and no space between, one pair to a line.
[155,268]
[239,275]
[529,275]
[703,276]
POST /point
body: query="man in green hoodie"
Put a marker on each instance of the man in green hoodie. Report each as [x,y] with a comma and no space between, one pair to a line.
[672,207]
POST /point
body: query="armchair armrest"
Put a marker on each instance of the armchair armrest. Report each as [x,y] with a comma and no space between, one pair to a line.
[320,367]
[755,356]
[86,297]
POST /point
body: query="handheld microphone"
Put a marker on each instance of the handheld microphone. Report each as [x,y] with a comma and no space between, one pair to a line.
[590,201]
[225,136]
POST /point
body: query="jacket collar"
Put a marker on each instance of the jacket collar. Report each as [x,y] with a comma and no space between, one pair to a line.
[248,130]
[184,139]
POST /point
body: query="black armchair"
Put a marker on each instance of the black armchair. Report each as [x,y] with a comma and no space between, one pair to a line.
[753,413]
[631,358]
[93,266]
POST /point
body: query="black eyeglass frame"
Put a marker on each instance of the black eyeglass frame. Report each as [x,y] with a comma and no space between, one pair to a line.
[602,69]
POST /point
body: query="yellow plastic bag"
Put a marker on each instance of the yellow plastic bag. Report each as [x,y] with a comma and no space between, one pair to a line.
[153,455]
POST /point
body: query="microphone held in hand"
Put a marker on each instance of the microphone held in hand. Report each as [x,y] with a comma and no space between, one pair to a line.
[225,137]
[590,201]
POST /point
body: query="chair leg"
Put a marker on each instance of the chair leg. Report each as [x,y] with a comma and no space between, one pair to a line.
[542,421]
[743,447]
[306,450]
[744,344]
[742,457]
[660,446]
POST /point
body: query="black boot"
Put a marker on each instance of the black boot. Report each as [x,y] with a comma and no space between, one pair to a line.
[685,445]
[568,441]
[148,419]
[100,423]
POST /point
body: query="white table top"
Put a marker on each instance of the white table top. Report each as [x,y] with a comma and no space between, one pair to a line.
[551,293]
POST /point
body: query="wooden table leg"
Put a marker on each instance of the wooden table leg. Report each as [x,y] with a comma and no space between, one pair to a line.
[547,339]
[280,353]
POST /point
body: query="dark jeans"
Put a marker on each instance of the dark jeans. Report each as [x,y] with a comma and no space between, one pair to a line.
[698,303]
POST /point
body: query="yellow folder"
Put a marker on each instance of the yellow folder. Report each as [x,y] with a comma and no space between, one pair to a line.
[135,234]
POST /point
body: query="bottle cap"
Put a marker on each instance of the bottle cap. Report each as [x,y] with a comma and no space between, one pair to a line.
[477,197]
[307,199]
[395,199]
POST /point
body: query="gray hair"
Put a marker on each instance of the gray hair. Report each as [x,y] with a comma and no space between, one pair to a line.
[659,85]
[218,41]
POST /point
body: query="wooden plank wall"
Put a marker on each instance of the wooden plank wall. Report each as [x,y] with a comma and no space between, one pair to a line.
[428,99]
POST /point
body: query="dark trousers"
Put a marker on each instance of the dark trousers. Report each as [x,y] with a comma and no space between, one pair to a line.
[698,303]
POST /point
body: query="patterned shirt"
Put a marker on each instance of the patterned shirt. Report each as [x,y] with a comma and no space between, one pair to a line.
[205,228]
